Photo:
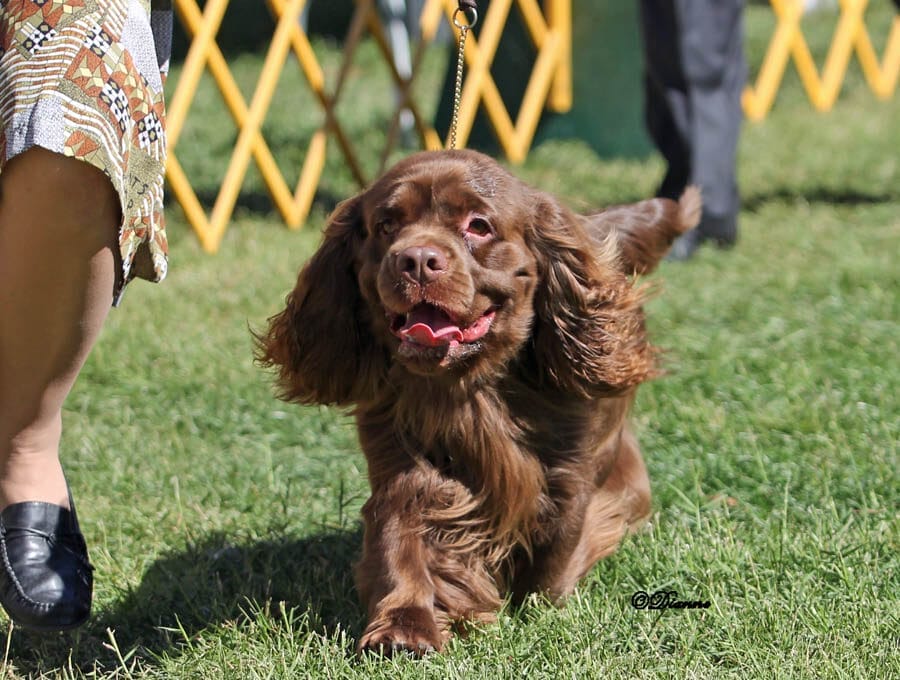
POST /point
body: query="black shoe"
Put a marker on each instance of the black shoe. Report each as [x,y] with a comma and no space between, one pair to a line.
[45,576]
[685,246]
[721,230]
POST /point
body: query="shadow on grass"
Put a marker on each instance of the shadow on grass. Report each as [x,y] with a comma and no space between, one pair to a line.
[208,584]
[845,197]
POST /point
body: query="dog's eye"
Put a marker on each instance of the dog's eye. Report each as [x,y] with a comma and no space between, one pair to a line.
[478,226]
[386,226]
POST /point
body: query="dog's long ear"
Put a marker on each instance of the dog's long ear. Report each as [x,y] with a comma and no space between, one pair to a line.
[589,335]
[645,231]
[320,342]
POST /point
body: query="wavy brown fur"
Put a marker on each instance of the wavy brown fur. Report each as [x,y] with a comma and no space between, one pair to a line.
[499,465]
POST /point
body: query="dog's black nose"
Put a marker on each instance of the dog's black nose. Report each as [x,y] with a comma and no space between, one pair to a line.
[421,264]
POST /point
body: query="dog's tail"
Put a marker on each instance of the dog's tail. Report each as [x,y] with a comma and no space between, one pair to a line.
[645,231]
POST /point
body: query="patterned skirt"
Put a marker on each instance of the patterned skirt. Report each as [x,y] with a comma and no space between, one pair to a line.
[84,78]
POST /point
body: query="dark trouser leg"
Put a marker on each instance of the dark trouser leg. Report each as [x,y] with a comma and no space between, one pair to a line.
[695,71]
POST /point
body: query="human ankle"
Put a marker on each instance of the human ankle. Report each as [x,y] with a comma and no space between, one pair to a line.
[32,476]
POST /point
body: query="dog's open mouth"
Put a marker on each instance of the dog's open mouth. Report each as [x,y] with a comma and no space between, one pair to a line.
[429,326]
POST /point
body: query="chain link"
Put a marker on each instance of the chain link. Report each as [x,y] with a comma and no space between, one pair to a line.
[471,17]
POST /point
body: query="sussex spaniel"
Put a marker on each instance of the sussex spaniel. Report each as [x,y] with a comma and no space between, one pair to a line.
[490,341]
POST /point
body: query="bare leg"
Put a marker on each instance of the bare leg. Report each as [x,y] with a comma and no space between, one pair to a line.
[59,221]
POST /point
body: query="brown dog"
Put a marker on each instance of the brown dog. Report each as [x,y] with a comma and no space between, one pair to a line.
[491,342]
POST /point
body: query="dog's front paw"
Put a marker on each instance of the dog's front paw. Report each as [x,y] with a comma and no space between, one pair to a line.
[412,630]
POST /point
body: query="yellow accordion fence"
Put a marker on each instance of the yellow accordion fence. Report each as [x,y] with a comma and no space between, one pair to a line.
[822,88]
[549,87]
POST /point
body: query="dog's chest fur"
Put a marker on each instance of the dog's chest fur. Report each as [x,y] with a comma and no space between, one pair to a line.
[513,446]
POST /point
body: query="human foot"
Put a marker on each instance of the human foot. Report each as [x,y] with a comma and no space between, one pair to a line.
[46,580]
[33,477]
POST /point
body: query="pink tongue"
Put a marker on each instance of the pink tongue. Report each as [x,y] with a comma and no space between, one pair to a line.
[431,327]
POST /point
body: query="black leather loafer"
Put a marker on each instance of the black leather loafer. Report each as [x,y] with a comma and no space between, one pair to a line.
[46,582]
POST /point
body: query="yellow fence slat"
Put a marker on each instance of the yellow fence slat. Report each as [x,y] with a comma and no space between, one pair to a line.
[205,53]
[559,15]
[259,105]
[238,108]
[882,77]
[203,37]
[788,43]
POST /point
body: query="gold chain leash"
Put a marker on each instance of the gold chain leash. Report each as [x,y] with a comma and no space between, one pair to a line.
[468,10]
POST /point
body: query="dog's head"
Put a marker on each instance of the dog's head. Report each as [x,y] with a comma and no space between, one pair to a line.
[448,266]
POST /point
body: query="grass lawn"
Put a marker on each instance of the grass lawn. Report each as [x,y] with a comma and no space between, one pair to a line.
[223,524]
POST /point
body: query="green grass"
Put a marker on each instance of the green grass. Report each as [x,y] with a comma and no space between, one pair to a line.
[223,524]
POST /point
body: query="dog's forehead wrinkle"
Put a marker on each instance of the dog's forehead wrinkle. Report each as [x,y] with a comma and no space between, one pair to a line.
[447,192]
[412,193]
[485,186]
